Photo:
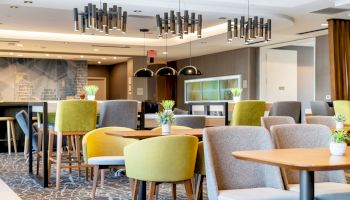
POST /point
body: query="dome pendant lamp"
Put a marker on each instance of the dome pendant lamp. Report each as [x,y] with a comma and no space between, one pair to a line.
[144,72]
[190,69]
[166,71]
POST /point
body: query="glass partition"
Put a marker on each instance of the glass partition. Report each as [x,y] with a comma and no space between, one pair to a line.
[214,89]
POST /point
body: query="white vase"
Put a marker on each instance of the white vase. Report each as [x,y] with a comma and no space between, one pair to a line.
[337,149]
[339,126]
[166,128]
[90,97]
[237,98]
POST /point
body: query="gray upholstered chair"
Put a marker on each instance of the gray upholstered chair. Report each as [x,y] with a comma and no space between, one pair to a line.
[190,121]
[22,120]
[321,108]
[121,113]
[329,185]
[324,120]
[287,108]
[230,178]
[178,111]
[267,122]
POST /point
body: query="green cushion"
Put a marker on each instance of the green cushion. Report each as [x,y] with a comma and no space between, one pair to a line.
[162,159]
[248,113]
[75,116]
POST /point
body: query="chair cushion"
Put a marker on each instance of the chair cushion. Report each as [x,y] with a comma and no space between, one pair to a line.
[327,190]
[257,194]
[107,160]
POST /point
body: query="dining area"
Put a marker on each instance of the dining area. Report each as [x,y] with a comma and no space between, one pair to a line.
[97,146]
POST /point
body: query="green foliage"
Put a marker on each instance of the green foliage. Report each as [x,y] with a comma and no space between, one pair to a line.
[340,136]
[91,89]
[168,104]
[339,118]
[236,92]
[165,117]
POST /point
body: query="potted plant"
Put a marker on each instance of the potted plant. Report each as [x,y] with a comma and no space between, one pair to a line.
[236,93]
[91,91]
[339,121]
[168,104]
[165,119]
[338,142]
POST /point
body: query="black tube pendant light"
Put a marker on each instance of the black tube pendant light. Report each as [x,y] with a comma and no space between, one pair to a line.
[166,71]
[144,72]
[190,69]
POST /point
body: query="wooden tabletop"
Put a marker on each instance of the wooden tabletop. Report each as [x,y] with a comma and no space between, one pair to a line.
[309,159]
[143,134]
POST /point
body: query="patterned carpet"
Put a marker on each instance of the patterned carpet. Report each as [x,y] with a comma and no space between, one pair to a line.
[13,171]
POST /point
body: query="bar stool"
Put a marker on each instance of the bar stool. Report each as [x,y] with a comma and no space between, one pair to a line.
[10,131]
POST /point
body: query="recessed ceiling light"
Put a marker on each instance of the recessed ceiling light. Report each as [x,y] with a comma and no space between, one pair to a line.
[115,58]
[19,45]
[20,55]
[222,18]
[47,54]
[11,53]
[29,2]
[13,6]
[137,11]
[59,56]
[164,52]
[96,49]
[324,24]
[99,62]
[103,58]
[82,56]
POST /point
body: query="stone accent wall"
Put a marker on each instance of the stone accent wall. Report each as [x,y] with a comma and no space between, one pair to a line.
[41,79]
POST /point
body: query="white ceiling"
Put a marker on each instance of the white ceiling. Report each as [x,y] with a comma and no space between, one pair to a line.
[47,26]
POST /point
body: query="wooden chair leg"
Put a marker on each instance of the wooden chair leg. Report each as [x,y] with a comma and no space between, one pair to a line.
[188,187]
[136,190]
[86,173]
[69,143]
[199,187]
[8,136]
[49,152]
[58,162]
[77,144]
[13,136]
[103,177]
[92,173]
[156,192]
[173,191]
[26,146]
[94,186]
[152,190]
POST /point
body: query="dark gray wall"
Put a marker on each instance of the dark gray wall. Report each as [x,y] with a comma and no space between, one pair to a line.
[235,62]
[118,81]
[323,87]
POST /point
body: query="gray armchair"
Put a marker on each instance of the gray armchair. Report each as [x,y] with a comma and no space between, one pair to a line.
[118,113]
[287,108]
[230,178]
[329,185]
[190,121]
[267,122]
[321,108]
[324,120]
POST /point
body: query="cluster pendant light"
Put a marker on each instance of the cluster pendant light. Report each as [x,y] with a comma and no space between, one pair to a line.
[178,25]
[144,72]
[249,30]
[190,69]
[100,20]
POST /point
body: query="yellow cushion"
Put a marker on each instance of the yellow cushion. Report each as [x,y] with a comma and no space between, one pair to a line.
[96,143]
[162,159]
[342,107]
[248,113]
[200,164]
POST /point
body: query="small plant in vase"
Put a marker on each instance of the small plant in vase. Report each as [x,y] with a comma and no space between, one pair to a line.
[338,143]
[339,121]
[166,117]
[236,93]
[91,91]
